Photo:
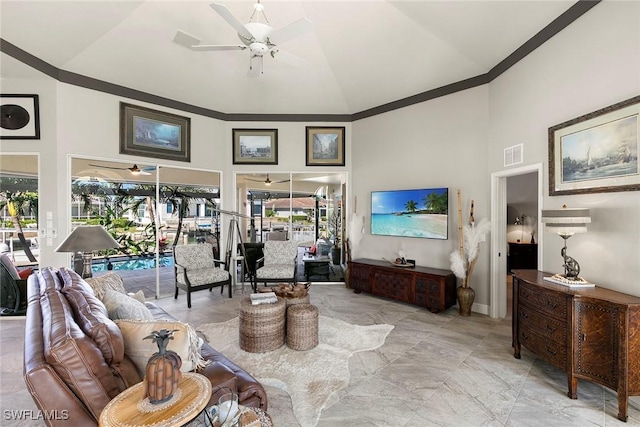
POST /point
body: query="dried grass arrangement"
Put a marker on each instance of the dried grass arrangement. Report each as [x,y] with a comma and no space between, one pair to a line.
[287,290]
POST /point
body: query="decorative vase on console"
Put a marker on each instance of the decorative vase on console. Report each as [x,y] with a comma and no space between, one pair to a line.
[463,260]
[162,373]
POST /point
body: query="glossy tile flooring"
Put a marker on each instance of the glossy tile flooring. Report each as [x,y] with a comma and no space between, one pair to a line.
[433,370]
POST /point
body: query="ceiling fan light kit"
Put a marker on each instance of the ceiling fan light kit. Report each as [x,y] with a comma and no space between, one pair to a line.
[260,38]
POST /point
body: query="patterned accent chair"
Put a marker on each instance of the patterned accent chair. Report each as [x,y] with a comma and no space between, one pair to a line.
[196,269]
[278,263]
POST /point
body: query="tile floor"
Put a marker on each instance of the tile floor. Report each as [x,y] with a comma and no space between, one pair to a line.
[440,370]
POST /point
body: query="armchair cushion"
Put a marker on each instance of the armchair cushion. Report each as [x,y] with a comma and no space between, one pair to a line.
[202,276]
[280,252]
[276,271]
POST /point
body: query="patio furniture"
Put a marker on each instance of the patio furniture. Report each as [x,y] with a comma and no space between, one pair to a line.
[278,263]
[196,269]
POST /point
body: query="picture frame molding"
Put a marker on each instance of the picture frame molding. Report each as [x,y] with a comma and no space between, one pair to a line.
[621,110]
[30,102]
[128,145]
[236,146]
[311,131]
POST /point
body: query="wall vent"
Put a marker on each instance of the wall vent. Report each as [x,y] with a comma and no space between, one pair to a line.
[513,155]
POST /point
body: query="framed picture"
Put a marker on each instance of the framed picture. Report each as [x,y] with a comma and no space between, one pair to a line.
[597,152]
[325,146]
[151,133]
[255,146]
[20,117]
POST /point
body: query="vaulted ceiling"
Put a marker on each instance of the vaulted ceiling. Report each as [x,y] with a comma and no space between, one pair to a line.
[360,54]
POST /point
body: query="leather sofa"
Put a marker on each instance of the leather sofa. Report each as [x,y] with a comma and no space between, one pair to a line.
[65,367]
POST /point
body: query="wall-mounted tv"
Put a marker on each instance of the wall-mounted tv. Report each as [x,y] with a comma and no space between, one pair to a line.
[411,213]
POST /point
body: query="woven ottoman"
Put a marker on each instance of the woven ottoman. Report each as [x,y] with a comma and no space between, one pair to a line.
[301,300]
[262,326]
[302,326]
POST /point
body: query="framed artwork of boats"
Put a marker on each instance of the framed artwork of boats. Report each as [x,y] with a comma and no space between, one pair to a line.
[597,152]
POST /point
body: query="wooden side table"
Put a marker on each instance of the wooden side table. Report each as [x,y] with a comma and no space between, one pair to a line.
[131,408]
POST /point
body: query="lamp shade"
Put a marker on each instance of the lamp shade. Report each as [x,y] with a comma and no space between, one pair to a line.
[88,238]
[566,221]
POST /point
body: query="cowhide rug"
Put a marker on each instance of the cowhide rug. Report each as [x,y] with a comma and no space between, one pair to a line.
[310,377]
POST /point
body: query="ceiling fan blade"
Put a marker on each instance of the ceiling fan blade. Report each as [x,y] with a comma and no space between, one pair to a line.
[255,66]
[184,39]
[108,167]
[208,47]
[232,20]
[290,59]
[254,180]
[280,182]
[291,31]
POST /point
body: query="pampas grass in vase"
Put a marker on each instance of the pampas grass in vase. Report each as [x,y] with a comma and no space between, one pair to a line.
[463,260]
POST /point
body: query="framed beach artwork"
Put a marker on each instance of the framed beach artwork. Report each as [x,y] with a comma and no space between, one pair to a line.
[597,152]
[325,146]
[255,146]
[152,133]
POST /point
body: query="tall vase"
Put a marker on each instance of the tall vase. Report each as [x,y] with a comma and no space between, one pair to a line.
[465,295]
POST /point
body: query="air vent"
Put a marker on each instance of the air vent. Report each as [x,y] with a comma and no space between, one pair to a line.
[513,155]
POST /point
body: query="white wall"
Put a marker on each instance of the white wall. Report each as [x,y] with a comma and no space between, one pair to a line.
[592,64]
[440,143]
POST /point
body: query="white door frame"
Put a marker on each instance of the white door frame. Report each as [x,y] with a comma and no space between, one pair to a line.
[498,290]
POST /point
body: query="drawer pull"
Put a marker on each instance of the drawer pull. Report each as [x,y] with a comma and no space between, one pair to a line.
[524,293]
[553,352]
[525,336]
[552,305]
[524,315]
[549,328]
[583,337]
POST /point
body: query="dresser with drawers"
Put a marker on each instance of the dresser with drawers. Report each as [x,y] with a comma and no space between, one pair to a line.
[590,333]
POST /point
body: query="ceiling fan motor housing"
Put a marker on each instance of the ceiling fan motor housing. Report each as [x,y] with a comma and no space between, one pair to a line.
[259,31]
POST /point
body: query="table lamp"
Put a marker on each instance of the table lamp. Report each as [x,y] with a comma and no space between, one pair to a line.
[86,239]
[566,222]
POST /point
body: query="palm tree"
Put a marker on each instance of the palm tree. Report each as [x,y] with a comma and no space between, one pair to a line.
[19,202]
[436,203]
[411,206]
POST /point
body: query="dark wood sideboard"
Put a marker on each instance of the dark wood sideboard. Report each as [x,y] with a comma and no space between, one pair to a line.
[431,288]
[590,333]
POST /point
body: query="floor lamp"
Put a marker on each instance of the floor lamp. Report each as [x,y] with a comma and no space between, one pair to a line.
[86,239]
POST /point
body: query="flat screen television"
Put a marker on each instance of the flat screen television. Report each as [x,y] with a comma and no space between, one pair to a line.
[422,213]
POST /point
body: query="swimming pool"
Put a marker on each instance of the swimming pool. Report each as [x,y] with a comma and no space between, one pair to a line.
[132,263]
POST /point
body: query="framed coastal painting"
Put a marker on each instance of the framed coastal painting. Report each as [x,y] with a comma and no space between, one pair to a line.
[597,152]
[325,146]
[20,117]
[152,133]
[255,146]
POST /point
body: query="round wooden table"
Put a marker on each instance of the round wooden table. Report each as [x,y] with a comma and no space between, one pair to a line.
[131,408]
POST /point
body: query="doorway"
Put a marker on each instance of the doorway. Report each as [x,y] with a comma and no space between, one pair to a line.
[499,221]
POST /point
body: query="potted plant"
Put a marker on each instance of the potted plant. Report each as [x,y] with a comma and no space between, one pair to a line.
[463,260]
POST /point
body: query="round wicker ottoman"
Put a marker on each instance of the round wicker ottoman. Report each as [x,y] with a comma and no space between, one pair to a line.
[302,326]
[302,300]
[262,326]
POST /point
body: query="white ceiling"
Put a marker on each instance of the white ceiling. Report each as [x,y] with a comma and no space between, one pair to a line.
[362,53]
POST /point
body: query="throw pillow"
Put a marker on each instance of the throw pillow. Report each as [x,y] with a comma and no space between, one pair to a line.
[138,296]
[110,280]
[185,342]
[122,306]
[24,274]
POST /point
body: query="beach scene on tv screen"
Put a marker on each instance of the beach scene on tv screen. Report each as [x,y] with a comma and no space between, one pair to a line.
[410,213]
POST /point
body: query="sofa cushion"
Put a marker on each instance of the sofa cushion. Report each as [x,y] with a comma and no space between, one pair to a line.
[73,355]
[91,315]
[122,306]
[100,284]
[185,342]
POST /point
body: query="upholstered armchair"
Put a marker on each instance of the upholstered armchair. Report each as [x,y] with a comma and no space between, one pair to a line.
[278,263]
[196,269]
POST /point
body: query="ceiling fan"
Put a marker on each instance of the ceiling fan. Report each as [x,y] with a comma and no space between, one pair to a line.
[267,181]
[260,38]
[135,170]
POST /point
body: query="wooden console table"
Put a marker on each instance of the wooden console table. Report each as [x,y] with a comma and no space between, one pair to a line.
[590,333]
[431,288]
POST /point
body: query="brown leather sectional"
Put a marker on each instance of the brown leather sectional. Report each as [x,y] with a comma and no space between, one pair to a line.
[74,361]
